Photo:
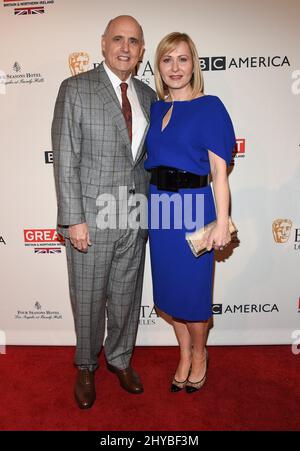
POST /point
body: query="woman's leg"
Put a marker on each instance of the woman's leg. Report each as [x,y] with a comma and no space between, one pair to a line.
[185,343]
[198,332]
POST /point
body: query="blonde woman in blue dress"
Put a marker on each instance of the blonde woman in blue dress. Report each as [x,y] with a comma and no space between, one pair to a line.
[190,136]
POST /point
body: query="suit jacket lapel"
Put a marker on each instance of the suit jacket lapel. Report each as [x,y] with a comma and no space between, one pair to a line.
[112,104]
[141,97]
[145,108]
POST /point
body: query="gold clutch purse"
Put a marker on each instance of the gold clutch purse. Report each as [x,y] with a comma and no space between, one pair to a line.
[197,240]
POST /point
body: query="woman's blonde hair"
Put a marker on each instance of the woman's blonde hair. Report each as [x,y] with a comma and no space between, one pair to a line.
[167,45]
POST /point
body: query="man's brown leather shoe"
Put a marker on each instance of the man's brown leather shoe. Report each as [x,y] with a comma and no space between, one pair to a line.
[85,393]
[129,379]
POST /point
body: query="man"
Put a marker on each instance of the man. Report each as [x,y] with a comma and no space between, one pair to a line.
[98,135]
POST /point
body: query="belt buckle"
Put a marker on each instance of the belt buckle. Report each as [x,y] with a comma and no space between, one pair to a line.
[183,179]
[167,180]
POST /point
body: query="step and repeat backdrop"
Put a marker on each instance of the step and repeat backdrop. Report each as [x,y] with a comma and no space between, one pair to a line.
[249,54]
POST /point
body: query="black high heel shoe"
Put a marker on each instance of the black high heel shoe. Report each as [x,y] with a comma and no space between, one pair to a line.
[177,386]
[191,387]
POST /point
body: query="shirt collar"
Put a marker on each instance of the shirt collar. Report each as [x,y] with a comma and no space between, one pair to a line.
[115,80]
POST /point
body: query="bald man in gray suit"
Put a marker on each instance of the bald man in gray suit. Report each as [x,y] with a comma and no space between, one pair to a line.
[98,131]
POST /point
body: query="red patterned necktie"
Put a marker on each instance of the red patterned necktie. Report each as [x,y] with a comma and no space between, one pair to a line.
[126,109]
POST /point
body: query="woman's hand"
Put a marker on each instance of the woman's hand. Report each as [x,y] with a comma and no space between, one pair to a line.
[219,237]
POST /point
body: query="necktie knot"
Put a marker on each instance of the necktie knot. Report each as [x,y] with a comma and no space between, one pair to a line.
[124,87]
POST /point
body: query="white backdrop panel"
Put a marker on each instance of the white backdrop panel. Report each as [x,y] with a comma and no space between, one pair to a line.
[256,292]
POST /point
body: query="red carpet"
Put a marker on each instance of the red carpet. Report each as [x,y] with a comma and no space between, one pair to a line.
[248,388]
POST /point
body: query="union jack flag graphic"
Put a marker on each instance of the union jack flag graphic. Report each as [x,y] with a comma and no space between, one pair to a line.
[47,250]
[29,10]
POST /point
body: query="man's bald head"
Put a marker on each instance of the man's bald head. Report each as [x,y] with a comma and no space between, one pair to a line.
[126,18]
[123,45]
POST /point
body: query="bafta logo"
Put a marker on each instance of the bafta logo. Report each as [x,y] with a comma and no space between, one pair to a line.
[78,62]
[281,230]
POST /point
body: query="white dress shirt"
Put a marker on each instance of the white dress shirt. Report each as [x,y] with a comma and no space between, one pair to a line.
[139,122]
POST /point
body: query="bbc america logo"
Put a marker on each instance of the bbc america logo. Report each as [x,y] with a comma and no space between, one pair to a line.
[223,63]
[219,309]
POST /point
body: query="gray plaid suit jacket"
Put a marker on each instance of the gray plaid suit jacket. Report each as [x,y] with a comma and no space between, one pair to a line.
[91,147]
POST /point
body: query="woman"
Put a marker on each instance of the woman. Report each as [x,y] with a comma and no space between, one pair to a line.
[190,136]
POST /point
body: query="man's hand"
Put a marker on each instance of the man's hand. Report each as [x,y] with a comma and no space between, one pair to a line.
[79,236]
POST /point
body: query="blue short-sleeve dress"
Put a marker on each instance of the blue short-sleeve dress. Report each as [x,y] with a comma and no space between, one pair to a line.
[182,283]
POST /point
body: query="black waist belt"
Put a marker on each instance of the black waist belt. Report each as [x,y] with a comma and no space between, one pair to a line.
[172,179]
